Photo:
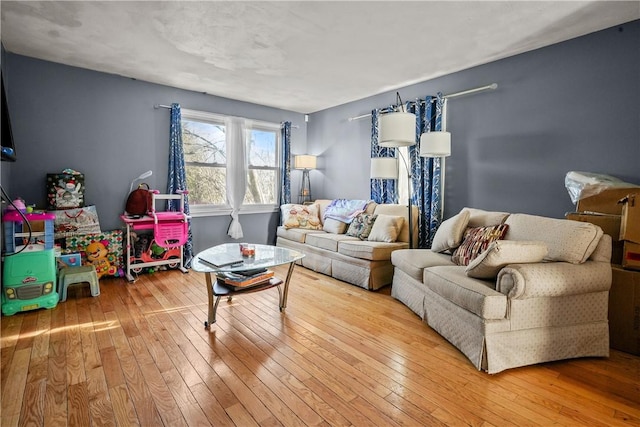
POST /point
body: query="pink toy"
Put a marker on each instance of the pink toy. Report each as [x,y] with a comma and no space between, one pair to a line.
[170,229]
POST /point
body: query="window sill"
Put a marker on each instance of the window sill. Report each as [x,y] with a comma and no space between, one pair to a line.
[210,210]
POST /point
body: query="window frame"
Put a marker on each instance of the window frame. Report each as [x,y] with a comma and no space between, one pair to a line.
[201,210]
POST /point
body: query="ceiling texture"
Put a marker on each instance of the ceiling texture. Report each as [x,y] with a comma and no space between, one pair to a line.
[302,56]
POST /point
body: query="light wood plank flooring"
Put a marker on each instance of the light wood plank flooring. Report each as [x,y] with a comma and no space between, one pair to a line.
[139,355]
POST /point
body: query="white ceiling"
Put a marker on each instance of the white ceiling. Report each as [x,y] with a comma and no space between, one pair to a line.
[303,56]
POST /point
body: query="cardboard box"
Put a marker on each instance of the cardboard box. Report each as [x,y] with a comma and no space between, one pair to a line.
[606,201]
[631,256]
[624,311]
[630,224]
[617,250]
[610,225]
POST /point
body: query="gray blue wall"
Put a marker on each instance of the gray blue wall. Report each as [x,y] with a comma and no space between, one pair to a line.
[571,106]
[106,127]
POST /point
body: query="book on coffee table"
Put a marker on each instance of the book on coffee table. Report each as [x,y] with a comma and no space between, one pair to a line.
[239,280]
[222,259]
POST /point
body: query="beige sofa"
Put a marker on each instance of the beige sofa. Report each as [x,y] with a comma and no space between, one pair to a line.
[543,295]
[360,262]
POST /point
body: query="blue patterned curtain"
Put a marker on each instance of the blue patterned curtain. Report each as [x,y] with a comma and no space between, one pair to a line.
[426,172]
[285,164]
[382,190]
[177,180]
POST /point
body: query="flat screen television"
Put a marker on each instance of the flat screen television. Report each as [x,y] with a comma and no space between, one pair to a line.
[8,147]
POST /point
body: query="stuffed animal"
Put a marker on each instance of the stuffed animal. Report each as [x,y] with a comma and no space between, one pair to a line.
[98,255]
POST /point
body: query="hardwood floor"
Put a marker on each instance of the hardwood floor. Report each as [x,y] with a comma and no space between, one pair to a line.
[139,355]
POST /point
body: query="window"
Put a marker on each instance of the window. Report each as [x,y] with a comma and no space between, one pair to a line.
[205,154]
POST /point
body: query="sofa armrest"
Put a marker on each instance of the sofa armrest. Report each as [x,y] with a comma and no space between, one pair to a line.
[552,279]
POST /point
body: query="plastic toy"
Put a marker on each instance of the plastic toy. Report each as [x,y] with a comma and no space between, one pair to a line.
[98,255]
[164,246]
[29,282]
[29,277]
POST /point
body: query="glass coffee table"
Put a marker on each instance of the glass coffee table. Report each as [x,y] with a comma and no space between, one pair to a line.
[264,257]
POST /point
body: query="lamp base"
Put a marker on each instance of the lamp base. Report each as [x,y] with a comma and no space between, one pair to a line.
[305,188]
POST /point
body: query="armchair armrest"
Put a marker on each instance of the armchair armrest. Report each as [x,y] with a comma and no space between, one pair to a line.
[552,279]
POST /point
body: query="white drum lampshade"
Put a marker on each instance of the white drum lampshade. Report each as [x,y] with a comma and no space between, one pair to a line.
[384,168]
[304,161]
[397,129]
[435,144]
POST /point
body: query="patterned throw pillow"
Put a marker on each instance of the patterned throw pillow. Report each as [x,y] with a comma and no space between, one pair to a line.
[476,240]
[361,226]
[300,216]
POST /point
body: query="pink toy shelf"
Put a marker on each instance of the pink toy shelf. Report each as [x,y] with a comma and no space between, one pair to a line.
[170,231]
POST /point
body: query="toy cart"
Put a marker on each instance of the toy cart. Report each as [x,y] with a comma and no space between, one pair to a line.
[169,232]
[28,277]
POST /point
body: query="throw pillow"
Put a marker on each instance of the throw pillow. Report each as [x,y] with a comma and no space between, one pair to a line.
[361,226]
[503,252]
[334,226]
[300,216]
[386,228]
[476,240]
[449,234]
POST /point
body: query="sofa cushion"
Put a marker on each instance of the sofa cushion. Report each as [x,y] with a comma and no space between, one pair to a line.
[476,240]
[328,241]
[569,241]
[361,226]
[482,218]
[502,253]
[386,228]
[413,261]
[373,251]
[321,205]
[334,226]
[300,216]
[403,211]
[296,234]
[450,233]
[474,295]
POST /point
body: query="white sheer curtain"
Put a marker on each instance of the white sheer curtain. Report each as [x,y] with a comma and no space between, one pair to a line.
[237,131]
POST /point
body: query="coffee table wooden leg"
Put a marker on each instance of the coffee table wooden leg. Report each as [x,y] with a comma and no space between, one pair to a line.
[285,292]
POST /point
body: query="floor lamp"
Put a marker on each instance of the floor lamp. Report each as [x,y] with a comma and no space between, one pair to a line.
[396,129]
[306,163]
